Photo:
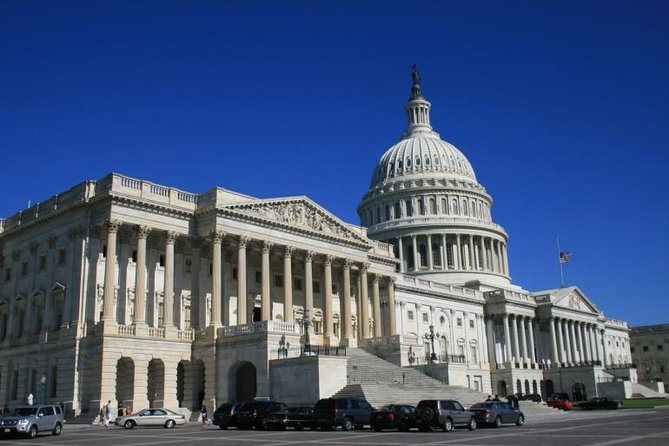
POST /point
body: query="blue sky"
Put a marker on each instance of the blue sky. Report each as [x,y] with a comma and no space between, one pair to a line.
[562,107]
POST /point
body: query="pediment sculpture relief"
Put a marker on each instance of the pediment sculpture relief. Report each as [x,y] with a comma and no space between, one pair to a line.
[574,302]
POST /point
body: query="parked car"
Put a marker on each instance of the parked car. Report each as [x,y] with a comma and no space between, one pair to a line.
[33,420]
[601,403]
[300,417]
[252,414]
[151,417]
[496,413]
[225,416]
[443,414]
[394,416]
[558,403]
[534,397]
[345,412]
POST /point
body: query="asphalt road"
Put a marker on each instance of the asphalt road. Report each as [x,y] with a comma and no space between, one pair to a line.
[622,427]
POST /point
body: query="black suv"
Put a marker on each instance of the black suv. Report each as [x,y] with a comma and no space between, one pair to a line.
[252,414]
[443,414]
[225,416]
[345,412]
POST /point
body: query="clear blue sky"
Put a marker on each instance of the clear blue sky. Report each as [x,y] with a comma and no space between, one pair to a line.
[562,107]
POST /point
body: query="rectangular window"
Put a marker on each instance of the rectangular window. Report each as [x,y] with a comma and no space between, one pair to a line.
[24,268]
[104,251]
[234,273]
[316,287]
[161,260]
[459,322]
[258,276]
[659,347]
[426,317]
[471,323]
[297,283]
[645,348]
[278,280]
[188,265]
[61,256]
[133,257]
[8,274]
[632,349]
[335,289]
[41,263]
[410,315]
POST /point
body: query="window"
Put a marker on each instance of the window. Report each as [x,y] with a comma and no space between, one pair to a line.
[436,260]
[421,207]
[335,288]
[278,280]
[410,315]
[398,210]
[61,256]
[632,349]
[41,263]
[442,320]
[297,283]
[645,348]
[258,276]
[8,274]
[161,260]
[104,251]
[316,287]
[471,323]
[133,257]
[409,209]
[426,317]
[459,322]
[234,273]
[188,265]
[24,268]
[659,347]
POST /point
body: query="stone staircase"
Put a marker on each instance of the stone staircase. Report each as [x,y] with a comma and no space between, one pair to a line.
[381,382]
[641,391]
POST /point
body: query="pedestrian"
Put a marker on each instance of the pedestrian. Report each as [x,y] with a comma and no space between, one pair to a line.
[108,413]
[496,398]
[205,416]
[489,398]
[30,399]
[103,419]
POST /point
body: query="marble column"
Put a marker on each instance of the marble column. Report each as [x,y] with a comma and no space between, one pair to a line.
[573,342]
[523,338]
[532,327]
[472,254]
[563,357]
[216,279]
[484,255]
[400,253]
[364,301]
[242,312]
[516,347]
[605,350]
[109,304]
[309,284]
[430,260]
[457,259]
[416,257]
[376,303]
[168,290]
[140,276]
[443,257]
[554,348]
[327,273]
[507,339]
[392,324]
[585,335]
[346,303]
[265,301]
[288,284]
[490,341]
[567,343]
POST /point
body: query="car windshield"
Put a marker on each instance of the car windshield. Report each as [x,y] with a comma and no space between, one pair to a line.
[25,411]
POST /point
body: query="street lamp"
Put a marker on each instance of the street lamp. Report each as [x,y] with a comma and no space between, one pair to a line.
[430,337]
[42,384]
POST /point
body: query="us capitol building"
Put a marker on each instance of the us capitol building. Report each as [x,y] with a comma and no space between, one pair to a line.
[125,290]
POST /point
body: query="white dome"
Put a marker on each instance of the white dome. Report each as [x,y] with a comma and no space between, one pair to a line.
[418,156]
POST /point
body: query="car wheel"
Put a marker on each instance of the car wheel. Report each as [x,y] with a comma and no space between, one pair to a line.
[472,424]
[520,421]
[448,425]
[498,422]
[32,433]
[128,424]
[57,429]
[347,425]
[169,424]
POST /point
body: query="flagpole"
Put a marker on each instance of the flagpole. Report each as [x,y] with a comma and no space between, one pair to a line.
[557,239]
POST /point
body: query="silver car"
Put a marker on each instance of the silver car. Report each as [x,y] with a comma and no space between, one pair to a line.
[151,417]
[32,420]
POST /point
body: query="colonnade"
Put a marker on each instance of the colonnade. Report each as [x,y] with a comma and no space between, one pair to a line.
[576,342]
[220,304]
[443,251]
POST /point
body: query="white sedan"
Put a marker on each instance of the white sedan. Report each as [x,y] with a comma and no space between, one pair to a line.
[151,417]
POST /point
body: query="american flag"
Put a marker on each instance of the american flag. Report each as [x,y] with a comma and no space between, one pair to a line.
[565,257]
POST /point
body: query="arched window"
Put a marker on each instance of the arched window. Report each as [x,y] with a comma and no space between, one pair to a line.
[409,209]
[398,210]
[422,252]
[444,206]
[436,258]
[455,207]
[387,213]
[433,206]
[410,259]
[38,311]
[465,211]
[421,207]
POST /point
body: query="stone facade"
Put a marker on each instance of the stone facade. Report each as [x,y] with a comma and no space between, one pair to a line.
[125,290]
[650,353]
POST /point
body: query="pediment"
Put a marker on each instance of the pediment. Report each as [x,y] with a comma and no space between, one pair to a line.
[298,213]
[574,299]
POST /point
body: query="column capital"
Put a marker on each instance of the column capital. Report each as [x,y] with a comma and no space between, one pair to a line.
[217,236]
[364,267]
[375,277]
[347,263]
[143,231]
[243,241]
[309,256]
[171,236]
[266,246]
[288,251]
[112,225]
[328,259]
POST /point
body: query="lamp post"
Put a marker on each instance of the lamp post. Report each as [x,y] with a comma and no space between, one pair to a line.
[42,384]
[307,339]
[430,337]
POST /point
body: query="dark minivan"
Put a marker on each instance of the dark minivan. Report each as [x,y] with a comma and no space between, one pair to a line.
[252,414]
[348,413]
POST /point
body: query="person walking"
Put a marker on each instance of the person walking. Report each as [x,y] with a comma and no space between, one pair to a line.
[205,416]
[30,399]
[108,413]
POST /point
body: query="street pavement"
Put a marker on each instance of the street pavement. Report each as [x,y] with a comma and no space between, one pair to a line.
[576,428]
